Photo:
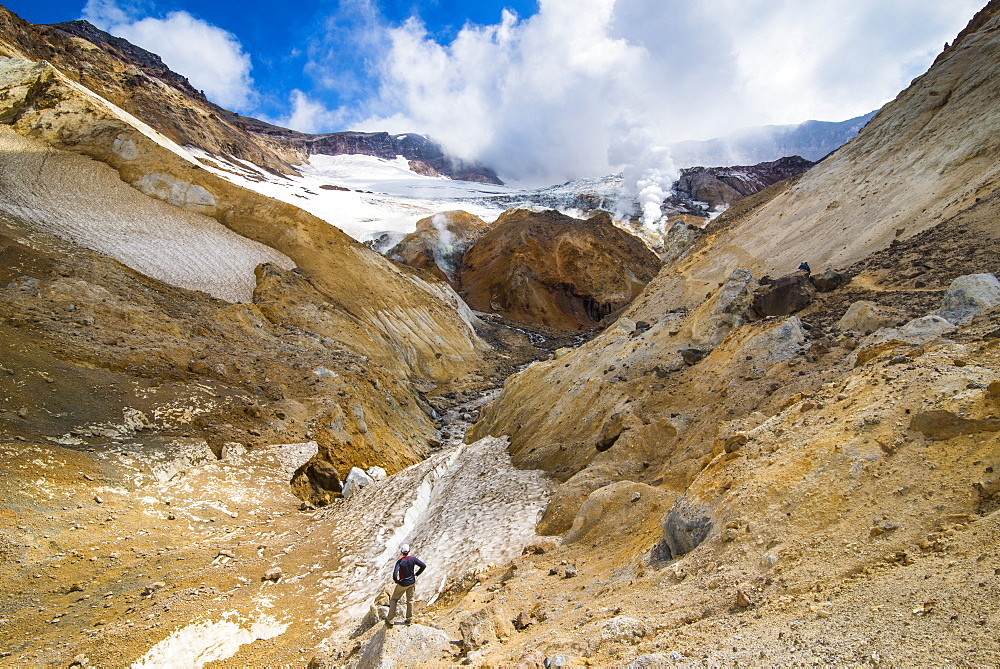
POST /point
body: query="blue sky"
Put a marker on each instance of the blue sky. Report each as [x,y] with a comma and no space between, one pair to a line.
[544,91]
[278,39]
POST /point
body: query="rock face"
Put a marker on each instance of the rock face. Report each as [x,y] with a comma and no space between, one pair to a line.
[721,187]
[545,267]
[439,242]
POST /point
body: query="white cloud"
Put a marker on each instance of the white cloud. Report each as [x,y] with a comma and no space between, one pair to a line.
[309,115]
[550,97]
[211,58]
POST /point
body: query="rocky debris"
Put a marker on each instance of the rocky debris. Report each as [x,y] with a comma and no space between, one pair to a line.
[547,268]
[593,524]
[722,187]
[403,646]
[866,317]
[541,547]
[968,296]
[829,280]
[274,575]
[785,296]
[489,624]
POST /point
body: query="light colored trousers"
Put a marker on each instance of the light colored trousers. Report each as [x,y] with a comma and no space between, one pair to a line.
[398,594]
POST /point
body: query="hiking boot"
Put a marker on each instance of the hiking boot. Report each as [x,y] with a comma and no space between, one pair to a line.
[407,622]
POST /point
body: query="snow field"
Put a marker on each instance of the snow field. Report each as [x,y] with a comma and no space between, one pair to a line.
[86,202]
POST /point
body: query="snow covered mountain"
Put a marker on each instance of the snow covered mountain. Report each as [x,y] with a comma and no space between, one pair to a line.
[812,140]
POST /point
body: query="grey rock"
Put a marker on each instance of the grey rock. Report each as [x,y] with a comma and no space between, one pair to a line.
[356,479]
[790,293]
[829,280]
[692,356]
[968,296]
[684,528]
[403,646]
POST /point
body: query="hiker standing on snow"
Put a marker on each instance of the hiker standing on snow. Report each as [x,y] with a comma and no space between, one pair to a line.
[405,578]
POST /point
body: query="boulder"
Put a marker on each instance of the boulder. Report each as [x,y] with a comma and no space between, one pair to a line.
[180,454]
[324,476]
[691,356]
[918,331]
[488,624]
[404,646]
[725,310]
[286,458]
[788,294]
[356,479]
[530,659]
[376,473]
[829,280]
[623,629]
[865,317]
[940,424]
[684,528]
[968,296]
[677,240]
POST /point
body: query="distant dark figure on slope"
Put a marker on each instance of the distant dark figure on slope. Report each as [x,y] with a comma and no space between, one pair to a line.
[404,575]
[804,267]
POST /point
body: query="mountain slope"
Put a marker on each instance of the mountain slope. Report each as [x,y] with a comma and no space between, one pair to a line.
[819,474]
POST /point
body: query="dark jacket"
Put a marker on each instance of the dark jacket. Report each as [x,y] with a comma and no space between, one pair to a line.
[403,573]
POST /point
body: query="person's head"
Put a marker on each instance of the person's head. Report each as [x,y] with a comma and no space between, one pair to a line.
[405,549]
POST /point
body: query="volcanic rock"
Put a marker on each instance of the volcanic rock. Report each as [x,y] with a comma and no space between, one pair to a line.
[721,187]
[439,242]
[788,294]
[561,272]
[866,317]
[968,296]
[829,280]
